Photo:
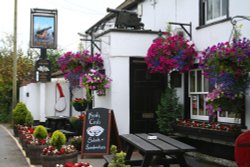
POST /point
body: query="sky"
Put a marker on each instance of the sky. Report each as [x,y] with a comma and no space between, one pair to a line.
[73,16]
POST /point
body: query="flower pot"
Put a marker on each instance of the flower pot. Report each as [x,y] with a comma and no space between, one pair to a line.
[34,153]
[80,107]
[208,133]
[15,130]
[52,160]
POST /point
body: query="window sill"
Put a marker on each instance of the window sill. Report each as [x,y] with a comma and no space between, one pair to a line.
[213,23]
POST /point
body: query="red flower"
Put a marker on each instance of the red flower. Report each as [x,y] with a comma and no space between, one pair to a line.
[42,142]
[170,53]
[69,164]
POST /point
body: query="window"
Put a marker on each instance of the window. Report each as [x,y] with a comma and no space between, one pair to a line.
[213,10]
[198,90]
[230,117]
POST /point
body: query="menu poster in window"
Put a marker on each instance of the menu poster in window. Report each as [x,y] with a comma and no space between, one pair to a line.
[96,132]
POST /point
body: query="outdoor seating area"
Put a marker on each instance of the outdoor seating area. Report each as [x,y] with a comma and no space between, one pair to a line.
[156,149]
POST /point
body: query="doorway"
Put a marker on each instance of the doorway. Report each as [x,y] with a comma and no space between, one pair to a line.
[145,94]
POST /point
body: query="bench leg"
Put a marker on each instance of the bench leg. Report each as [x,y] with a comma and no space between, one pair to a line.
[129,152]
[147,160]
[181,160]
[106,164]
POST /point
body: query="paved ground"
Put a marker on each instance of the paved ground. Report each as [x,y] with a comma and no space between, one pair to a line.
[12,155]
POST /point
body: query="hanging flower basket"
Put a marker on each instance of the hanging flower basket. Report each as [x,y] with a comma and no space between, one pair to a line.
[226,66]
[80,107]
[95,80]
[80,104]
[170,53]
[74,65]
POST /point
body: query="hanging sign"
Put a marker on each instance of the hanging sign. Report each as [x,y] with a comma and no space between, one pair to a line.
[43,70]
[43,28]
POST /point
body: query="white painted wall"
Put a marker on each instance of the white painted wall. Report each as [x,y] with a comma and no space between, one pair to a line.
[32,102]
[42,98]
[117,50]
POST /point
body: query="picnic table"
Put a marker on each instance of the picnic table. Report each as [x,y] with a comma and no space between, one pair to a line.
[156,149]
[57,122]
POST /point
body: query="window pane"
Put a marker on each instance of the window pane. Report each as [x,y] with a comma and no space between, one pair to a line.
[209,10]
[202,109]
[229,114]
[192,81]
[206,85]
[216,8]
[194,104]
[199,81]
[224,7]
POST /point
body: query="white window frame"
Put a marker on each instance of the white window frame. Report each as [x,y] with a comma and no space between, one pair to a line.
[228,119]
[202,92]
[221,17]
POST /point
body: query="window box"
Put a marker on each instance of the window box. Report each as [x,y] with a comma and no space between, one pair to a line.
[227,136]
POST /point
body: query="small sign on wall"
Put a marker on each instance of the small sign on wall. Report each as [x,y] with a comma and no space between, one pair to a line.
[43,70]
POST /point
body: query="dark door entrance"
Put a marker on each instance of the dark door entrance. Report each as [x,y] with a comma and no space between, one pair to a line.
[145,93]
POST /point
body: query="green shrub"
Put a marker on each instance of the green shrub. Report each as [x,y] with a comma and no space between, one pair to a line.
[19,113]
[168,111]
[74,122]
[118,158]
[5,117]
[58,139]
[40,132]
[76,141]
[29,119]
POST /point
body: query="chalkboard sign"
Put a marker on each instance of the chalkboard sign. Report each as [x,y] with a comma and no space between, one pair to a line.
[96,132]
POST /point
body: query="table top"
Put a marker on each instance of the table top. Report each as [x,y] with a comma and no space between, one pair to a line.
[162,143]
[57,117]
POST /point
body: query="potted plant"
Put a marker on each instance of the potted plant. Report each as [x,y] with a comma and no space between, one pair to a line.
[80,104]
[25,134]
[168,111]
[18,115]
[37,144]
[29,119]
[76,123]
[118,159]
[78,164]
[76,141]
[214,130]
[57,152]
